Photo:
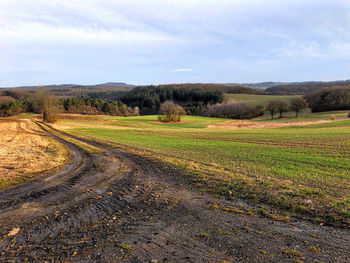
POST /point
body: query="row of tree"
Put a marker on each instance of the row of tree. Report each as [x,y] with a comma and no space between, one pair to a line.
[233,110]
[297,105]
[43,102]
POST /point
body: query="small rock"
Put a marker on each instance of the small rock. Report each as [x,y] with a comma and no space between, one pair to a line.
[14,231]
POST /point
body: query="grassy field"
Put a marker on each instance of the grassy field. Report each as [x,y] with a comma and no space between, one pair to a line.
[305,116]
[25,152]
[255,100]
[304,170]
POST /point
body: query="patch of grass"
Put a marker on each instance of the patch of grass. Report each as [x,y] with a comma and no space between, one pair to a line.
[233,210]
[126,247]
[307,116]
[204,235]
[314,249]
[292,252]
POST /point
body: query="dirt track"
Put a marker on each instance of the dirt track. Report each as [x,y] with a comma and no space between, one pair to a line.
[120,207]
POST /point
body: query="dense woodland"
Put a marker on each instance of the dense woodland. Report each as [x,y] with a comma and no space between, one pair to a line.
[149,98]
[117,95]
[336,98]
[224,88]
[69,105]
[304,88]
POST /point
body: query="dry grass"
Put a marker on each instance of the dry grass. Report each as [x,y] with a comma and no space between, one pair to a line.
[242,124]
[25,152]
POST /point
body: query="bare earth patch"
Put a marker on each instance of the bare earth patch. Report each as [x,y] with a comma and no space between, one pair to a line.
[25,152]
[243,124]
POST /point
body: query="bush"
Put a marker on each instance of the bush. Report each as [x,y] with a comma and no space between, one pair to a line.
[233,110]
[170,112]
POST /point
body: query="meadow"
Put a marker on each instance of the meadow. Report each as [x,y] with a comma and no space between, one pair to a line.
[255,100]
[304,171]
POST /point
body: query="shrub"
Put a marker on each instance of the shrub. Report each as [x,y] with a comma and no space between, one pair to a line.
[233,110]
[170,112]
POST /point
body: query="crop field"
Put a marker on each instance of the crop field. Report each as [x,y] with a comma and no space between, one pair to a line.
[255,100]
[25,152]
[302,170]
[306,116]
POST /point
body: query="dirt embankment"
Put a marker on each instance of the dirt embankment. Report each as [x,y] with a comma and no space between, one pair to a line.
[115,206]
[243,124]
[25,152]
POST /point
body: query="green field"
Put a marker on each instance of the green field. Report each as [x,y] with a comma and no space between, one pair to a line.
[255,100]
[306,116]
[303,170]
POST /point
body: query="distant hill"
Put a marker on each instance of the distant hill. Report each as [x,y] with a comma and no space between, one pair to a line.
[73,90]
[116,90]
[261,85]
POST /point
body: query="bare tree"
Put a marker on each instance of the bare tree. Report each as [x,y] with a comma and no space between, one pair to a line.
[282,107]
[272,107]
[47,104]
[298,104]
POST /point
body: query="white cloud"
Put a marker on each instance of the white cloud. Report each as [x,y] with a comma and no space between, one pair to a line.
[181,70]
[139,39]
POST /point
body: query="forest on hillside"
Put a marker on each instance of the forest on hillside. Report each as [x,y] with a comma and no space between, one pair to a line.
[149,98]
[304,88]
[68,105]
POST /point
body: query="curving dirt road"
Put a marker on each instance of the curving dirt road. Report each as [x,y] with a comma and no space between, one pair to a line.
[120,207]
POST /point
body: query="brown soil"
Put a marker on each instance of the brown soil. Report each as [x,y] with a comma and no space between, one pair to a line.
[243,124]
[25,152]
[121,207]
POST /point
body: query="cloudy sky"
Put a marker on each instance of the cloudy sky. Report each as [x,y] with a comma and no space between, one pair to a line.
[173,41]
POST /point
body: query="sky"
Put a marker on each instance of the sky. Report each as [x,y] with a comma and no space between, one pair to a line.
[173,41]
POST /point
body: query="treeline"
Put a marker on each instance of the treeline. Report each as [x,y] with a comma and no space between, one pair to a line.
[15,94]
[336,98]
[304,88]
[224,88]
[233,110]
[149,98]
[96,106]
[69,105]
